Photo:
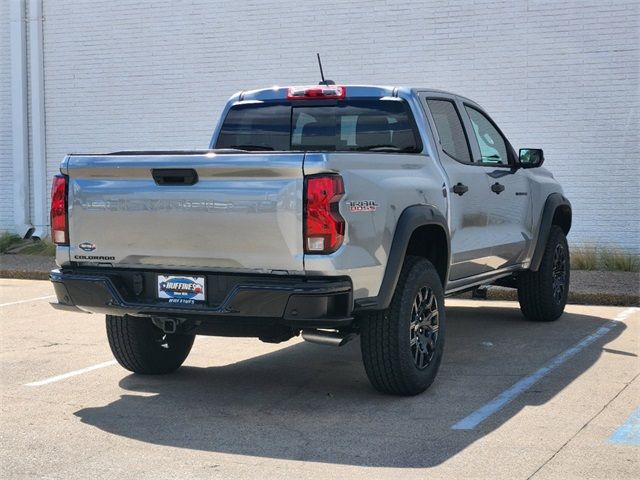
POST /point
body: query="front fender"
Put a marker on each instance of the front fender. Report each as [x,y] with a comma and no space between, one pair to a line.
[551,206]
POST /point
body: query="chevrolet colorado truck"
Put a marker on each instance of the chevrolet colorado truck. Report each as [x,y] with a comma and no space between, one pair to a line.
[329,211]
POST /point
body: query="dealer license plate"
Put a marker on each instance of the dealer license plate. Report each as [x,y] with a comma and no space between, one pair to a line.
[180,289]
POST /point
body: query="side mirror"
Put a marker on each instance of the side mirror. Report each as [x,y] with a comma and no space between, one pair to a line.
[530,157]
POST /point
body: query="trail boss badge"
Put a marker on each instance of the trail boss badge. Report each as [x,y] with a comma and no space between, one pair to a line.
[362,206]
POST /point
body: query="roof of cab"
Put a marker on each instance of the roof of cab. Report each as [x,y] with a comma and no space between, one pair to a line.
[278,93]
[370,91]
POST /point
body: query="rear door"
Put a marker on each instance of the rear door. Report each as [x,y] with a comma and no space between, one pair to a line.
[470,242]
[240,212]
[507,190]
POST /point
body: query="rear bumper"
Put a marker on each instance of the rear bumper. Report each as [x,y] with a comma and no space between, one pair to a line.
[292,301]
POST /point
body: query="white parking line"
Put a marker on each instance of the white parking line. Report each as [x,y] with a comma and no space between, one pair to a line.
[64,376]
[473,420]
[26,301]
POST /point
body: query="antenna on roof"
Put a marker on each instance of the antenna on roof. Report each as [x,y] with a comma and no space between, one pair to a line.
[323,82]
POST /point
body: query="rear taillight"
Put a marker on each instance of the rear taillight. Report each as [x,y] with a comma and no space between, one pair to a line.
[323,225]
[316,92]
[59,225]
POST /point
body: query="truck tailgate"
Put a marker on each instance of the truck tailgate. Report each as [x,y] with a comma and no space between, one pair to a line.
[244,212]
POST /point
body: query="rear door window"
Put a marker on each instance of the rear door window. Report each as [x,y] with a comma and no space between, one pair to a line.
[340,126]
[453,138]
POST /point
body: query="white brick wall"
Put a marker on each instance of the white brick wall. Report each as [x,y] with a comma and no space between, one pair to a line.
[6,170]
[559,75]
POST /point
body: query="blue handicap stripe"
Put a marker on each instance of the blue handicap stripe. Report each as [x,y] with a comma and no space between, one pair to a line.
[629,432]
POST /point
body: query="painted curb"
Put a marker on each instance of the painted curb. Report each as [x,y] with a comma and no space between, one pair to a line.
[576,298]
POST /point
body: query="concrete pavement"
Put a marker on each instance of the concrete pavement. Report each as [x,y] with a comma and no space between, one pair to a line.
[240,408]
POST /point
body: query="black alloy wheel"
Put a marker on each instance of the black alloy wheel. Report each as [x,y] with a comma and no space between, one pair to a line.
[559,273]
[424,326]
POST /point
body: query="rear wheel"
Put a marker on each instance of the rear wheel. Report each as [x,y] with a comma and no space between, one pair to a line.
[141,347]
[543,294]
[402,346]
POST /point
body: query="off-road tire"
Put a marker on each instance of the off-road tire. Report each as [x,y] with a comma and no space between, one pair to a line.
[385,335]
[141,347]
[539,300]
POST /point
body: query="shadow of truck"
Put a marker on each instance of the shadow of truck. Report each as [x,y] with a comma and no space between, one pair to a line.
[313,403]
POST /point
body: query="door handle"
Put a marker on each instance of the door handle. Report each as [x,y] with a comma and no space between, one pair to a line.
[497,188]
[174,176]
[460,189]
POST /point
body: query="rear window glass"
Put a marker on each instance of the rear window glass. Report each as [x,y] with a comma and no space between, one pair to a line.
[342,126]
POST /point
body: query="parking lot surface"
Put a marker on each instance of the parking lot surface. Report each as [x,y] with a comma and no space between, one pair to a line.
[513,400]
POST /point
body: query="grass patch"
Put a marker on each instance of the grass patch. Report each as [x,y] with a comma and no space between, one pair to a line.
[10,243]
[604,259]
[584,258]
[38,247]
[8,240]
[616,260]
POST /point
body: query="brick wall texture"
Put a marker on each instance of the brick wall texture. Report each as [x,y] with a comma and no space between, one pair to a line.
[562,76]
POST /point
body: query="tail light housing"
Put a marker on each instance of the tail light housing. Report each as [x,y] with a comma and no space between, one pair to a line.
[323,224]
[59,220]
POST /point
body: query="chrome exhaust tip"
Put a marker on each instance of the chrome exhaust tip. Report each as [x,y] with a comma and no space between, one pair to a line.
[325,337]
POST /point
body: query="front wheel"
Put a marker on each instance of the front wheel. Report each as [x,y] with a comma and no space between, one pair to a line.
[543,294]
[402,346]
[141,347]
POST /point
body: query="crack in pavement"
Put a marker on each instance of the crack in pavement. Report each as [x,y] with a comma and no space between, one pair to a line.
[597,414]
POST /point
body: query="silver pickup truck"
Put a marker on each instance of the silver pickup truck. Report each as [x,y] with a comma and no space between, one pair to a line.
[327,211]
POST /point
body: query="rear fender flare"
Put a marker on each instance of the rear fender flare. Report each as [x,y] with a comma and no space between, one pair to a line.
[411,218]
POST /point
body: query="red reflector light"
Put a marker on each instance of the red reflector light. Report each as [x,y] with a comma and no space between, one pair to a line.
[59,226]
[323,224]
[316,92]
